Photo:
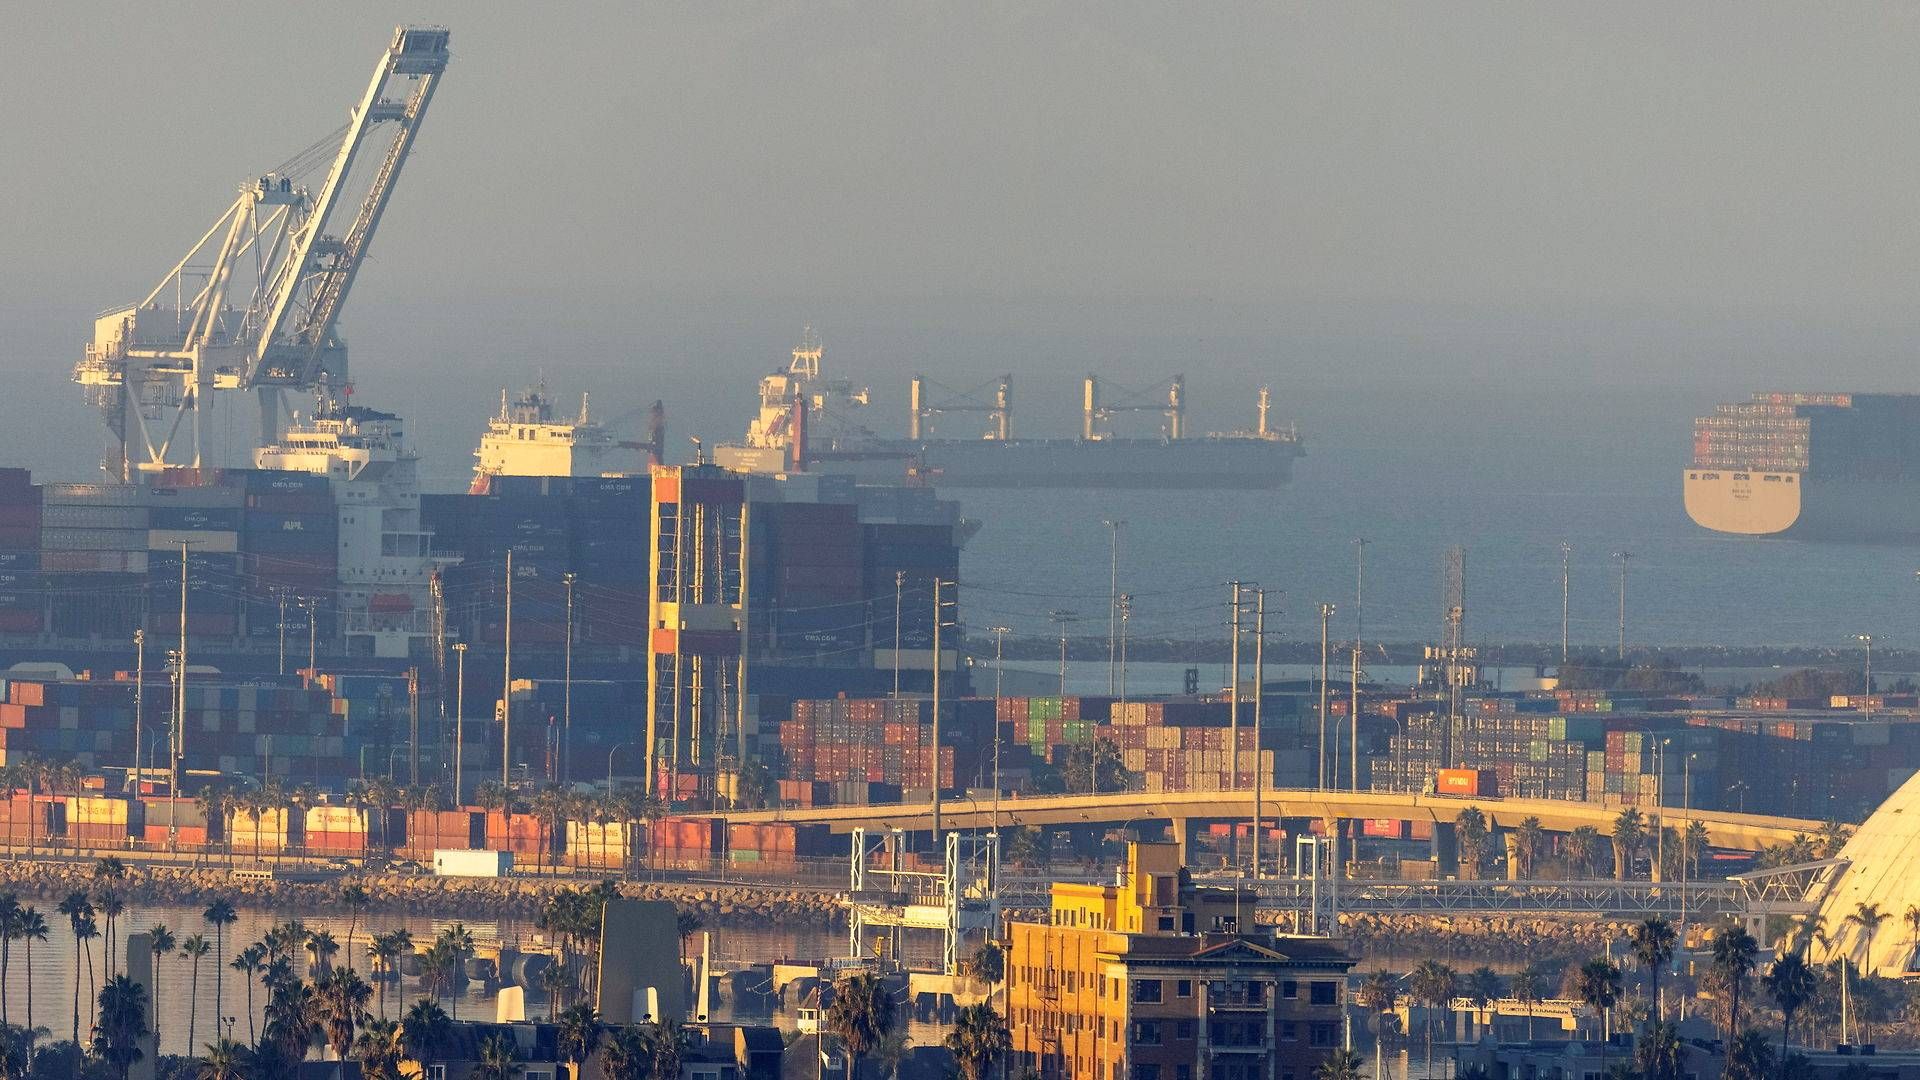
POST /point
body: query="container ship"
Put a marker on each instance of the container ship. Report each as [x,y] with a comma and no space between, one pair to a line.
[810,422]
[1809,466]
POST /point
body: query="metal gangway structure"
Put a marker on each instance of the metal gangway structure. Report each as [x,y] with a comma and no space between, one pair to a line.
[885,892]
[255,302]
[1792,892]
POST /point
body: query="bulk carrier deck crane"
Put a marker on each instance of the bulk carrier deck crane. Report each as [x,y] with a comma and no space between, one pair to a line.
[151,367]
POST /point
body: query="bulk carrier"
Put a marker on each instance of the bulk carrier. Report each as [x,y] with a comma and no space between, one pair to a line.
[1809,466]
[810,422]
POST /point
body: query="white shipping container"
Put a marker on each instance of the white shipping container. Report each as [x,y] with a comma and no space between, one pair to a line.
[461,862]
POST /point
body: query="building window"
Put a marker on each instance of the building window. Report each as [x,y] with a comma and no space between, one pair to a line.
[1183,1030]
[1322,1035]
[1146,991]
[1289,989]
[1146,1072]
[1183,1072]
[1289,1032]
[1183,988]
[1166,922]
[1146,1033]
[1323,993]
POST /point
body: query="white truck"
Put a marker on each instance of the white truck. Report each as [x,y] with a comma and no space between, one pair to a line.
[458,862]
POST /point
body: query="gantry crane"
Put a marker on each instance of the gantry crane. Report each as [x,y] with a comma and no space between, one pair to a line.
[154,364]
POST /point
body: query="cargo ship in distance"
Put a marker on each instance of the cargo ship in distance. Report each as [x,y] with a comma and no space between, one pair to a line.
[810,422]
[1809,467]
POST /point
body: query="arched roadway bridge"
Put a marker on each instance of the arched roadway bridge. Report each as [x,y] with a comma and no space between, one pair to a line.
[1183,809]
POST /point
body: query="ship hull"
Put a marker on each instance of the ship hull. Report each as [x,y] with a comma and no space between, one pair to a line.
[1231,464]
[1790,505]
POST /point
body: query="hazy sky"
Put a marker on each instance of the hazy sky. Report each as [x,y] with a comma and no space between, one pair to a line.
[1350,202]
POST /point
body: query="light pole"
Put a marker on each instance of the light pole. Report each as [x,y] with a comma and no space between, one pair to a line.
[610,752]
[999,651]
[1126,614]
[899,587]
[283,630]
[313,639]
[1233,700]
[1625,557]
[566,698]
[459,720]
[1114,525]
[1867,640]
[1259,697]
[1326,614]
[139,700]
[1566,595]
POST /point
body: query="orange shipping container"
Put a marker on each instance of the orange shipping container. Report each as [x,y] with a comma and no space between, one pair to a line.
[1468,782]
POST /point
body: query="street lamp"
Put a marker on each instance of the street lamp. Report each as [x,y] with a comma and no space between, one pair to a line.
[610,752]
[999,651]
[1867,640]
[1114,525]
[1063,619]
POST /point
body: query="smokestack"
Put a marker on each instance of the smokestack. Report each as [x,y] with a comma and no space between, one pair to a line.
[1089,408]
[797,445]
[657,433]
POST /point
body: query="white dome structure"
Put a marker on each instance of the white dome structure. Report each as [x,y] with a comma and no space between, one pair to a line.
[1883,875]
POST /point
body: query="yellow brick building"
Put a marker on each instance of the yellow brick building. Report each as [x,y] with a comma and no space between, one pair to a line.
[1153,978]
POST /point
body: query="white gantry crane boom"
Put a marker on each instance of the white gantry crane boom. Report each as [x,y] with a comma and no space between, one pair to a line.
[152,366]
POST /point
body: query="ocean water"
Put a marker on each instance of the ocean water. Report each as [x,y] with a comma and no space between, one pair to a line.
[1506,484]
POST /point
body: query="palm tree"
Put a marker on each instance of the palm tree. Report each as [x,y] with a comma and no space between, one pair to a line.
[1599,985]
[1339,1065]
[381,955]
[341,997]
[1733,957]
[293,1017]
[1868,918]
[627,1056]
[1653,944]
[77,909]
[1528,985]
[459,942]
[497,1057]
[979,1039]
[194,947]
[1527,839]
[33,927]
[123,1023]
[1432,985]
[579,1034]
[1791,983]
[220,915]
[378,1050]
[9,931]
[424,1031]
[355,897]
[1470,833]
[666,1043]
[226,1060]
[1377,995]
[861,1015]
[249,963]
[161,945]
[1581,845]
[1629,831]
[85,935]
[400,940]
[1657,1055]
[321,948]
[1482,987]
[108,873]
[1749,1057]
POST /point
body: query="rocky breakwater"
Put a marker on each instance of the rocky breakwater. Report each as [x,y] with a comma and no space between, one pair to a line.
[516,898]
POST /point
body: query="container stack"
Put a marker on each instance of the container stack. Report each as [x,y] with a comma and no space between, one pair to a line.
[93,553]
[1052,727]
[22,591]
[821,609]
[289,548]
[1188,746]
[912,557]
[777,846]
[428,831]
[1514,753]
[611,516]
[341,829]
[871,748]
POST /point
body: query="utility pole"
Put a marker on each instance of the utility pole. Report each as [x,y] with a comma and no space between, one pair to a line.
[174,723]
[940,606]
[1259,700]
[899,587]
[413,726]
[283,630]
[1353,722]
[1233,690]
[1114,525]
[1624,557]
[999,651]
[139,700]
[1326,615]
[1062,619]
[459,721]
[566,701]
[1566,594]
[1126,613]
[180,689]
[506,691]
[313,639]
[1867,640]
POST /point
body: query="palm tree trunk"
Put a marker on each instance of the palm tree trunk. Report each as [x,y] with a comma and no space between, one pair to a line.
[76,989]
[29,984]
[193,1004]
